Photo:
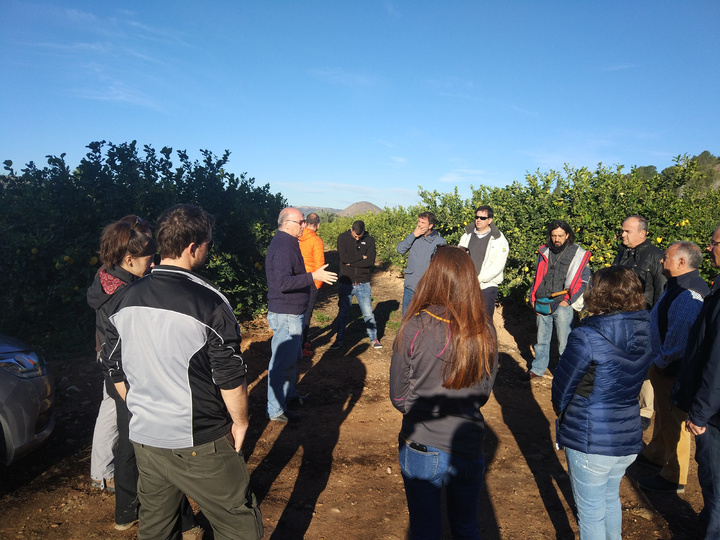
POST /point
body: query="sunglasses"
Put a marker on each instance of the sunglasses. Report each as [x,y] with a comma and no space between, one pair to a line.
[482,218]
[298,222]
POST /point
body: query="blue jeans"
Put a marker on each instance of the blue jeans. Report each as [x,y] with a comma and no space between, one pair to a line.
[407,296]
[361,291]
[595,481]
[286,350]
[707,455]
[424,474]
[562,317]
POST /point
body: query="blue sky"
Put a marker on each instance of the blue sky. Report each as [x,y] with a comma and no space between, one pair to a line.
[332,102]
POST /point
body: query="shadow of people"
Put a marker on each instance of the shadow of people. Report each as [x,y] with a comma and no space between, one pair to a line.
[520,323]
[678,513]
[467,436]
[531,430]
[383,310]
[489,528]
[329,408]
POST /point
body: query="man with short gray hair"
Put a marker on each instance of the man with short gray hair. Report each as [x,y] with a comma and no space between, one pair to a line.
[670,322]
[697,393]
[288,294]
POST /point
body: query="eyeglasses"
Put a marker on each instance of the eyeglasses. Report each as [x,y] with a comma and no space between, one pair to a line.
[302,221]
[210,244]
[482,218]
[713,243]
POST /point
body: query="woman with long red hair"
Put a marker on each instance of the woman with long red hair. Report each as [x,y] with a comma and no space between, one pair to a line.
[442,371]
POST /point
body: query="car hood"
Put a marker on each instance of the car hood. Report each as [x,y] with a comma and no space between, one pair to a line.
[10,345]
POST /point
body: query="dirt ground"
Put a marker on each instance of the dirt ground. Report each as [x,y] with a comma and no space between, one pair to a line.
[334,475]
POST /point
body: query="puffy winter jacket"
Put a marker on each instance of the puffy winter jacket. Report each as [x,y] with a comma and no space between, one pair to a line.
[597,382]
[313,252]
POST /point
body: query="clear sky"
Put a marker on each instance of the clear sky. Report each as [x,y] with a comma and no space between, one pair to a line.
[337,101]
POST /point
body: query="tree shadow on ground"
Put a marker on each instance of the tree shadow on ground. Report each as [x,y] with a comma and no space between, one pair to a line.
[531,430]
[329,407]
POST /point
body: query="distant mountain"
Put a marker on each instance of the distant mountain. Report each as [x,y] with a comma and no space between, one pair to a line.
[359,208]
[352,210]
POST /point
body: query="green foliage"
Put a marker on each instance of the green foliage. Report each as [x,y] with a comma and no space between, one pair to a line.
[678,203]
[388,228]
[326,216]
[594,204]
[52,219]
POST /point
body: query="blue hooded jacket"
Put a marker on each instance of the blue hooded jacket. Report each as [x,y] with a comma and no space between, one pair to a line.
[597,382]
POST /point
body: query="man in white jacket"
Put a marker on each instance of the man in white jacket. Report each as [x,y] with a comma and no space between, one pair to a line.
[489,251]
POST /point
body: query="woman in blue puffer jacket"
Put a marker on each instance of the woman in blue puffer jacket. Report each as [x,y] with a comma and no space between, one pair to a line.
[595,394]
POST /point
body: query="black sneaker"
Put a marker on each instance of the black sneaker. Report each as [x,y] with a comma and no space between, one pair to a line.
[336,346]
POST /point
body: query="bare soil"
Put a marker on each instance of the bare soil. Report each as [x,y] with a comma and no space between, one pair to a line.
[334,475]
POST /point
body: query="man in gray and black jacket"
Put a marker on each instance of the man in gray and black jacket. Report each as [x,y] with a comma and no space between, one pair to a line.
[173,352]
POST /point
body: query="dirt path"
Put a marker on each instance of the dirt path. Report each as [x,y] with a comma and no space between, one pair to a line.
[334,475]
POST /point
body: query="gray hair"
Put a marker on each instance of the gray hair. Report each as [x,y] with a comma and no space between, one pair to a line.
[690,252]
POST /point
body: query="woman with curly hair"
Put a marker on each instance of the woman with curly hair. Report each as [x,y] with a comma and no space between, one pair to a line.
[595,394]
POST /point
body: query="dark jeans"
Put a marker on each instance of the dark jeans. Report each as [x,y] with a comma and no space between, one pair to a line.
[424,474]
[707,455]
[308,312]
[363,294]
[489,296]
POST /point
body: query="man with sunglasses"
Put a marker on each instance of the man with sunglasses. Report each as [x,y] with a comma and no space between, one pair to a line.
[488,249]
[288,296]
[421,244]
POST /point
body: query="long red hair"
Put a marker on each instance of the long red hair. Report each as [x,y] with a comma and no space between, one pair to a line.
[451,283]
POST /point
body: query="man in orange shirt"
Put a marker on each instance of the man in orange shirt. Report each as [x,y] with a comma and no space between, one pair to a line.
[313,253]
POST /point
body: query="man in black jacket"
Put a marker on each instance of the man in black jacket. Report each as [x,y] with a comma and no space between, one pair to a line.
[638,254]
[697,391]
[645,259]
[356,249]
